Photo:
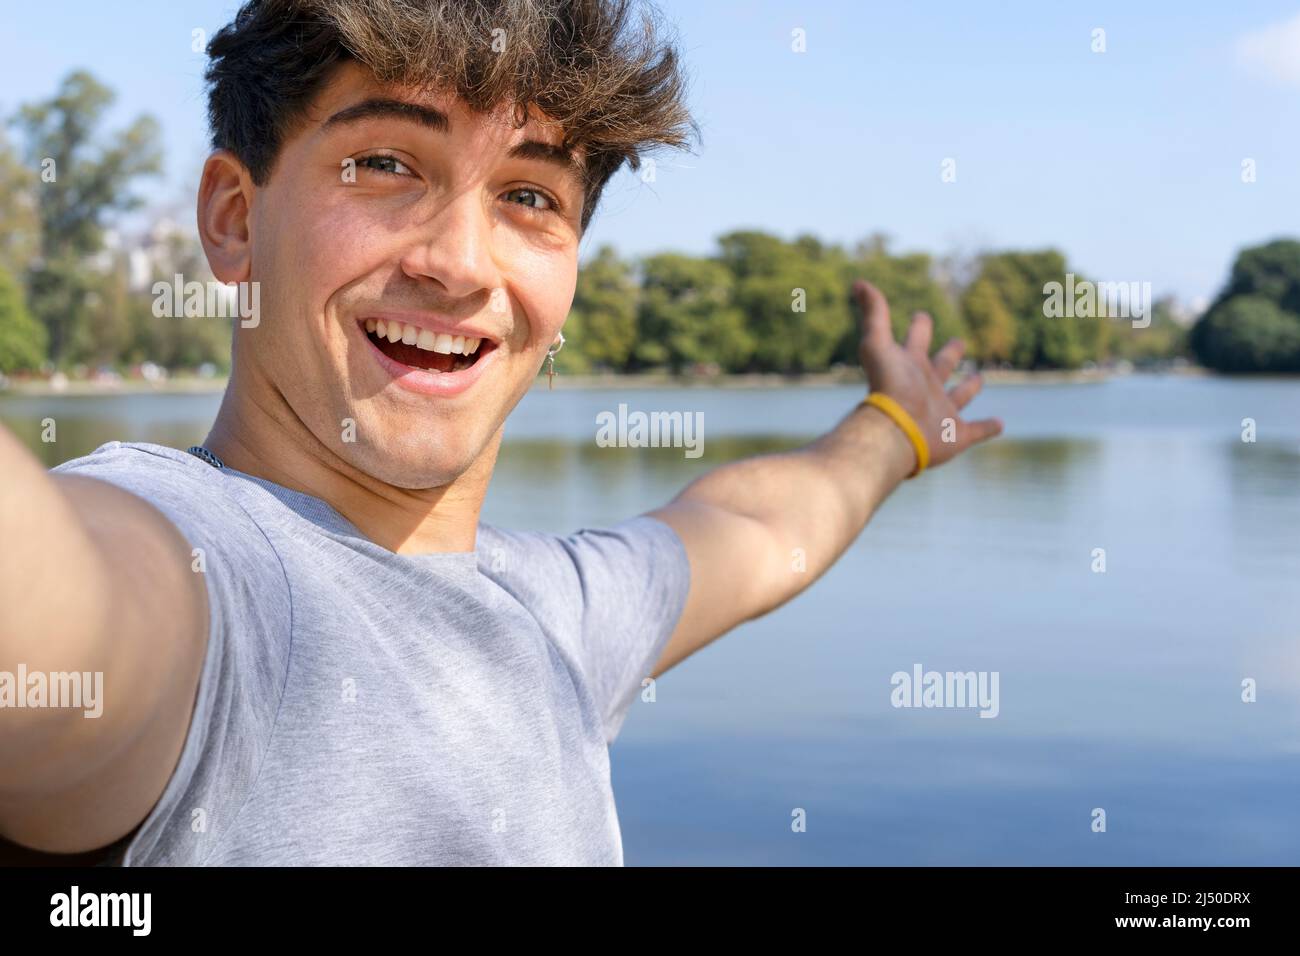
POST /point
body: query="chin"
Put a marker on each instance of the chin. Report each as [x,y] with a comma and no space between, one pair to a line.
[412,465]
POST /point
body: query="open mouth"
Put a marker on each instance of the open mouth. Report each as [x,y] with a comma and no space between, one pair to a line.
[425,350]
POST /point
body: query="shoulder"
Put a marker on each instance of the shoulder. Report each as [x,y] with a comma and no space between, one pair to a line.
[611,595]
[207,506]
[157,473]
[581,566]
[140,466]
[133,453]
[200,500]
[643,533]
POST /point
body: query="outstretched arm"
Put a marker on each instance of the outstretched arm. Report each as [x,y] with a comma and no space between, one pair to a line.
[93,580]
[744,523]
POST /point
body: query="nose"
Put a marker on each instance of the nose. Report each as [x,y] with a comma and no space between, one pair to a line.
[455,248]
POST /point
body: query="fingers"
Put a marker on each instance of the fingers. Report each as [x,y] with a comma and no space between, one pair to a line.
[947,358]
[876,331]
[965,390]
[982,430]
[919,334]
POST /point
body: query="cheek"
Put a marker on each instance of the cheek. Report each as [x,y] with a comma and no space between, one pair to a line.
[331,249]
[544,282]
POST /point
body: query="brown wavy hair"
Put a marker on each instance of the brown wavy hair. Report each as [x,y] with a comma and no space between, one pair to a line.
[610,78]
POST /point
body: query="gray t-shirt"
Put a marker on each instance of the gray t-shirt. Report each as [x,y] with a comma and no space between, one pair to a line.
[360,707]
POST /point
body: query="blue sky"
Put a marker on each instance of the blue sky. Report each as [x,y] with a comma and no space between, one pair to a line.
[1128,160]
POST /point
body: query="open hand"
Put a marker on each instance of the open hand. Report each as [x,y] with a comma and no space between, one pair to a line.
[910,377]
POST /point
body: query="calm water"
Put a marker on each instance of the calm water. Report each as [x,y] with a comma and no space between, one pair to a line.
[1119,690]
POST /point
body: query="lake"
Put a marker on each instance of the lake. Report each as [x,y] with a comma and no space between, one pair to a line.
[1120,691]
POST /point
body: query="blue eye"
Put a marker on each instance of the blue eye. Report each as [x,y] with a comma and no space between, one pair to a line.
[537,195]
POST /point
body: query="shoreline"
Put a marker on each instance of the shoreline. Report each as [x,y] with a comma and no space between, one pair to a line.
[595,382]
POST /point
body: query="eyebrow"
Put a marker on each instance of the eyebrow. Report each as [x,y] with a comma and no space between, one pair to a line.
[550,153]
[391,109]
[437,120]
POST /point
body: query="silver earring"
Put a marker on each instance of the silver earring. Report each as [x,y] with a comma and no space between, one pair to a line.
[550,361]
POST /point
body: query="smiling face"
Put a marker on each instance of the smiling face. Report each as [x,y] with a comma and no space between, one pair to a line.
[396,228]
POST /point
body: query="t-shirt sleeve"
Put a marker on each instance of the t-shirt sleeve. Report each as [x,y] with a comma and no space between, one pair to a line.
[634,578]
[246,657]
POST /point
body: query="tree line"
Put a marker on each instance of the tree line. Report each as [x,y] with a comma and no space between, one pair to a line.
[764,304]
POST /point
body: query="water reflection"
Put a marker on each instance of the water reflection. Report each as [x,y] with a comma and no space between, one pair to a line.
[1119,689]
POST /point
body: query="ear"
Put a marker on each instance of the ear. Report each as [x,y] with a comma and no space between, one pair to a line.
[225,204]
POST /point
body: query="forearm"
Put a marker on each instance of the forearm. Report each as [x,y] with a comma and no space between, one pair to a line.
[810,504]
[757,532]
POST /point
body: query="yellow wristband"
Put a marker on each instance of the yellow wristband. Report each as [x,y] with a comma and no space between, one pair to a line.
[907,423]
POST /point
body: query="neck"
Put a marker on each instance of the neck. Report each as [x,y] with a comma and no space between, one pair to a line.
[260,435]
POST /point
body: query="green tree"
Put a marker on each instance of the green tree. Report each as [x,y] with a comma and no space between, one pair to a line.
[1272,271]
[687,315]
[1020,280]
[602,322]
[1163,339]
[992,327]
[1248,333]
[909,283]
[20,226]
[1254,324]
[176,341]
[22,339]
[796,315]
[81,183]
[749,252]
[792,297]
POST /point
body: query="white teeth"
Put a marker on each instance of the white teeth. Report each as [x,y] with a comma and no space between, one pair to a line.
[441,342]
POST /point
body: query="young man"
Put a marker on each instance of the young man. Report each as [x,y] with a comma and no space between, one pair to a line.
[312,651]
